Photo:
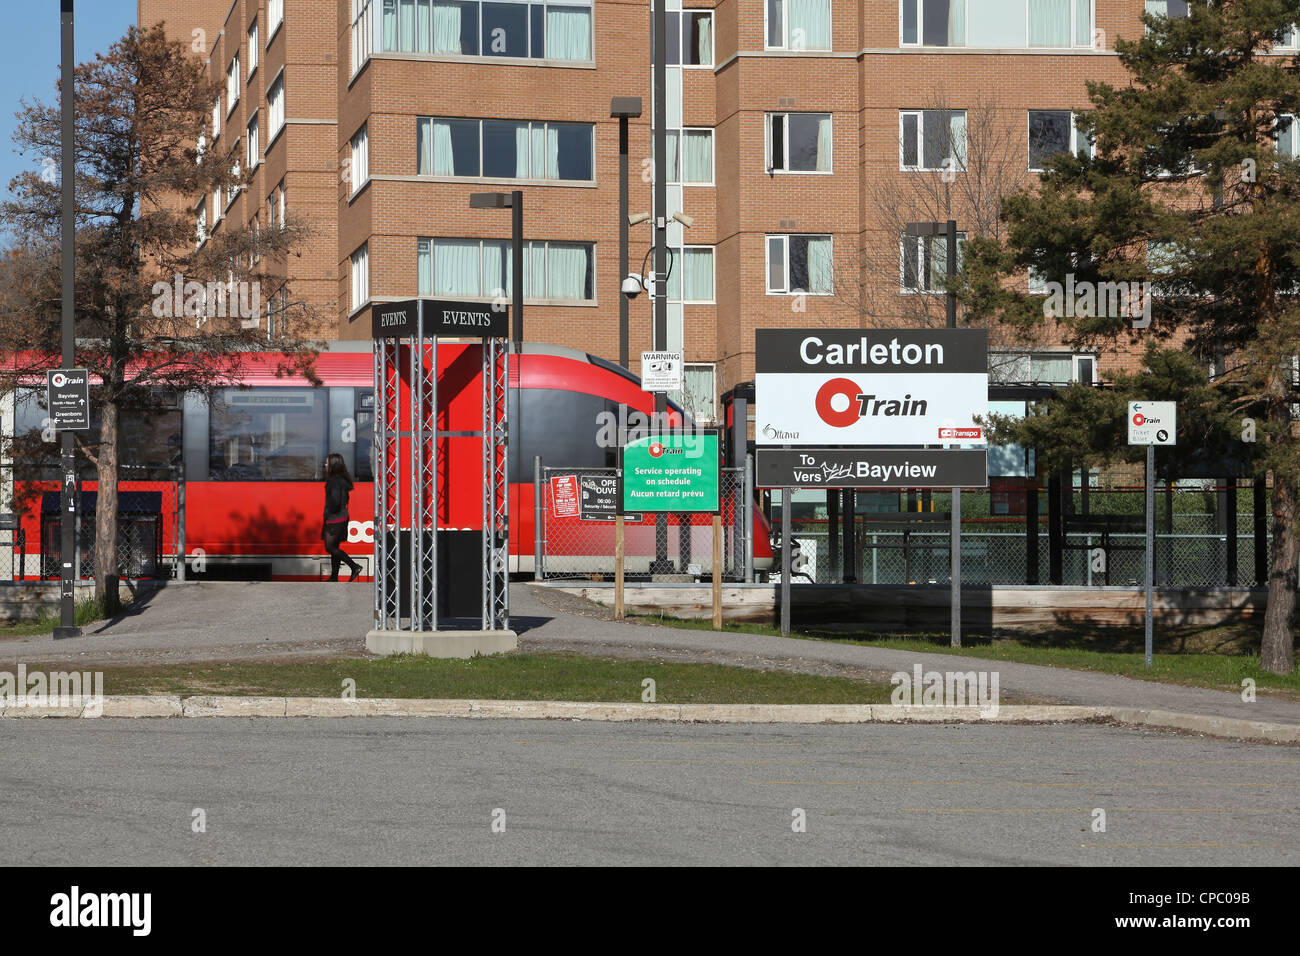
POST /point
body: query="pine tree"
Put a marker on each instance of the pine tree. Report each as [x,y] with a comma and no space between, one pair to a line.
[1192,188]
[139,112]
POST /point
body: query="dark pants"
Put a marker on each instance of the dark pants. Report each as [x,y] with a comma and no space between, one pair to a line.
[333,536]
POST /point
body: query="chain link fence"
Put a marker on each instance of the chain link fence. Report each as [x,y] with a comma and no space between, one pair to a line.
[1105,546]
[576,530]
[150,525]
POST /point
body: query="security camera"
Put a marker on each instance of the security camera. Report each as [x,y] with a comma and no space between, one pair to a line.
[632,285]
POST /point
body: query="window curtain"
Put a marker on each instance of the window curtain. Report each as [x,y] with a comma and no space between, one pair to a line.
[1083,23]
[422,25]
[568,33]
[406,19]
[1157,8]
[697,275]
[455,267]
[535,271]
[824,144]
[498,261]
[1051,369]
[957,22]
[423,268]
[674,151]
[1049,22]
[446,27]
[522,151]
[957,132]
[390,26]
[435,149]
[1285,134]
[704,49]
[813,18]
[567,271]
[697,382]
[819,263]
[697,156]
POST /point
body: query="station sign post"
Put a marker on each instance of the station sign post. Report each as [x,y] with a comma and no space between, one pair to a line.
[67,396]
[1151,424]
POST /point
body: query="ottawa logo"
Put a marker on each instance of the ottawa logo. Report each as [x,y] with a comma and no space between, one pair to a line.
[656,450]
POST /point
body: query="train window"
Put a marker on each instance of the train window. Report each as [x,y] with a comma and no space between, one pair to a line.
[268,434]
[561,427]
[365,419]
[148,444]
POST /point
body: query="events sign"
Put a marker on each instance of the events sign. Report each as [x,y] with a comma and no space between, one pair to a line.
[870,387]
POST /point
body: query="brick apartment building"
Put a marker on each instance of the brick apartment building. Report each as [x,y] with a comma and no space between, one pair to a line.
[805,133]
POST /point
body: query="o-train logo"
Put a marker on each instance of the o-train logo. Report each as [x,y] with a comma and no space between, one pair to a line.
[840,403]
[361,531]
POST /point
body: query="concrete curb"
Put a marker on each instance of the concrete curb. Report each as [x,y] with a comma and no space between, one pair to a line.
[215,706]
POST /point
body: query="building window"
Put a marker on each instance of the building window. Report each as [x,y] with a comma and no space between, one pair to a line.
[284,208]
[216,119]
[232,84]
[201,222]
[200,147]
[799,142]
[482,268]
[232,189]
[699,396]
[934,22]
[254,151]
[798,24]
[996,23]
[217,207]
[690,274]
[554,30]
[1040,368]
[256,254]
[275,106]
[360,276]
[1173,9]
[690,38]
[1286,136]
[923,262]
[252,49]
[932,140]
[505,149]
[799,264]
[1052,132]
[274,17]
[360,170]
[690,156]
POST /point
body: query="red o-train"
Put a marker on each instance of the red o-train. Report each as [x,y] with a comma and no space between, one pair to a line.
[252,458]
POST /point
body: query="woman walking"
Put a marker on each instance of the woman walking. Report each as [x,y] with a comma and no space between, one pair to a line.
[338,485]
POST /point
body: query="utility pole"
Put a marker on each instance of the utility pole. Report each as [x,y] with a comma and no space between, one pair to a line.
[68,505]
[660,337]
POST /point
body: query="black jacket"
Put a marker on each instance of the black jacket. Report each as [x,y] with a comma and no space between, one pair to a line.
[337,489]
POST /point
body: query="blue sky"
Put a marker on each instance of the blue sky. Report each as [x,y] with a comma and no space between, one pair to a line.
[29,64]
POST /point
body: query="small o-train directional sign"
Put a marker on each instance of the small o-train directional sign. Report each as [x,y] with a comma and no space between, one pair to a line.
[68,399]
[1152,423]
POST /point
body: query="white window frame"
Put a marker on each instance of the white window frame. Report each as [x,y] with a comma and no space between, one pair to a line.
[1076,42]
[502,179]
[216,118]
[713,398]
[232,85]
[1292,133]
[785,146]
[275,108]
[362,32]
[785,30]
[960,165]
[359,278]
[528,249]
[218,206]
[360,169]
[1075,137]
[1079,358]
[677,260]
[920,16]
[253,145]
[274,18]
[234,187]
[784,238]
[252,48]
[903,288]
[284,209]
[201,222]
[681,37]
[681,153]
[200,147]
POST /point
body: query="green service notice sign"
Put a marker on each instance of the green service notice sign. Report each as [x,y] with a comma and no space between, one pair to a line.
[671,473]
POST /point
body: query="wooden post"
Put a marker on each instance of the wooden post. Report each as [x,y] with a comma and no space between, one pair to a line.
[618,568]
[717,572]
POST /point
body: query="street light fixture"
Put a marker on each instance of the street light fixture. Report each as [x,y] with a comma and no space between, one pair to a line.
[514,201]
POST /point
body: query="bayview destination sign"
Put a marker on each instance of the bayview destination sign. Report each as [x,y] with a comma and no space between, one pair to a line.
[871,468]
[441,317]
[870,387]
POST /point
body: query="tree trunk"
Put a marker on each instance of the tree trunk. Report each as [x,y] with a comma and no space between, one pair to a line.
[1277,652]
[106,568]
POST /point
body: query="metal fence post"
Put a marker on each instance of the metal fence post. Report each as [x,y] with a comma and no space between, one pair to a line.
[180,525]
[749,519]
[537,518]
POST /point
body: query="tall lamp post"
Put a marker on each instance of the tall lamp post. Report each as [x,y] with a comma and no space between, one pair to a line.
[514,201]
[623,108]
[926,230]
[68,238]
